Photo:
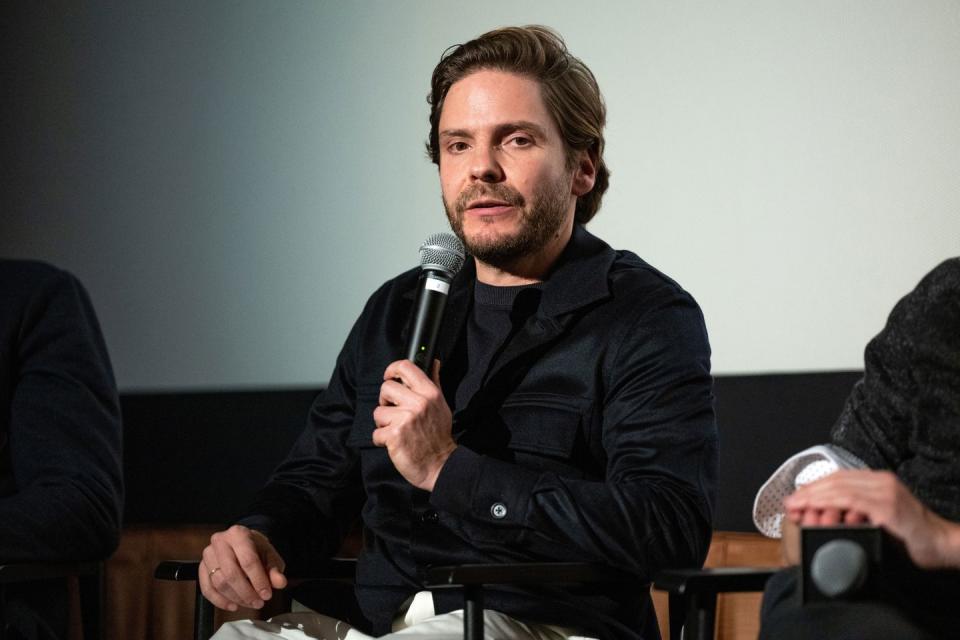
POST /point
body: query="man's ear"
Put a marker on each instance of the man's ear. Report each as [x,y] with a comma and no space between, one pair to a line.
[585,172]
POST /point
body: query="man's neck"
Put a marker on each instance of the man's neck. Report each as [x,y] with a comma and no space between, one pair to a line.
[526,269]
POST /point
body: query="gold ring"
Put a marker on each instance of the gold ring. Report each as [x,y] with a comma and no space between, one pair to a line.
[213,571]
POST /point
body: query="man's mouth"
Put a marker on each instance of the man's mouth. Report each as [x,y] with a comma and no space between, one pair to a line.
[488,204]
[488,200]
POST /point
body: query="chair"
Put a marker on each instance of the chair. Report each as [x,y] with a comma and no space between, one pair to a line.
[837,563]
[692,592]
[90,581]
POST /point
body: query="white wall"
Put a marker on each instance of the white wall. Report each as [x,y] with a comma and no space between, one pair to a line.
[232,179]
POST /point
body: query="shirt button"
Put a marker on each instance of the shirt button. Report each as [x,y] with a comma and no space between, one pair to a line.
[429,517]
[498,510]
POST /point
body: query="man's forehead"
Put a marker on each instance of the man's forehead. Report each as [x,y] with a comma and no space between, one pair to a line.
[489,97]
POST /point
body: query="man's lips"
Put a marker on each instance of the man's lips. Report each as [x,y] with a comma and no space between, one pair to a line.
[489,207]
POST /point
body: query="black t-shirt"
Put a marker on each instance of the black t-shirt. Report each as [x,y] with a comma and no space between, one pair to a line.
[497,313]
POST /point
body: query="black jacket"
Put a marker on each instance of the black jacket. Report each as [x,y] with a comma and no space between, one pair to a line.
[592,438]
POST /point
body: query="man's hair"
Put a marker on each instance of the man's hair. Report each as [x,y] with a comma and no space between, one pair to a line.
[570,92]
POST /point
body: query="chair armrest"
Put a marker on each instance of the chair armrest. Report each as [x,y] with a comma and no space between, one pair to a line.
[522,573]
[179,570]
[693,595]
[472,578]
[718,580]
[186,571]
[333,569]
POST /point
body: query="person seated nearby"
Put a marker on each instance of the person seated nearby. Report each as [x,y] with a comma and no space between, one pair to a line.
[61,484]
[891,463]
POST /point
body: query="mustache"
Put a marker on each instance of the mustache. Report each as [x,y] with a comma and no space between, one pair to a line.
[493,191]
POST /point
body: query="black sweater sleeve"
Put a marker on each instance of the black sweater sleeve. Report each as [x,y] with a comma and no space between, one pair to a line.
[60,475]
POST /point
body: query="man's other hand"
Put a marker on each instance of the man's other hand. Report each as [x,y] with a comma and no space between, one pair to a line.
[240,568]
[414,423]
[880,498]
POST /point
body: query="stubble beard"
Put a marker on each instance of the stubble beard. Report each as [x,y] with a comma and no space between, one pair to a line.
[539,222]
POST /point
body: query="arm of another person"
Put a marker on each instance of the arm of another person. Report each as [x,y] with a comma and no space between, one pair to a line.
[64,434]
[907,406]
[881,499]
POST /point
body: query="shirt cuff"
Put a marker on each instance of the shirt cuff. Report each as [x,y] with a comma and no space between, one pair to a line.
[483,489]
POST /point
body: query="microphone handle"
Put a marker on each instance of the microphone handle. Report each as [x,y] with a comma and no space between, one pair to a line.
[427,315]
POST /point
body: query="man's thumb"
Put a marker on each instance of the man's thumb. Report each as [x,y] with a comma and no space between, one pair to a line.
[275,568]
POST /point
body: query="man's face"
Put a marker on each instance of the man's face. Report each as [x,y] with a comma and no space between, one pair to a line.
[507,186]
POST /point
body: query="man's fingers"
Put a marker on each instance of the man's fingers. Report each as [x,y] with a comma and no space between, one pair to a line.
[854,517]
[253,568]
[382,435]
[209,567]
[830,517]
[277,579]
[275,567]
[232,575]
[210,591]
[409,375]
[225,590]
[393,393]
[811,518]
[240,568]
[232,582]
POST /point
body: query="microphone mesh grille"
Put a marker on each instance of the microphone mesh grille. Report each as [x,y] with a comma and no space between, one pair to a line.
[442,251]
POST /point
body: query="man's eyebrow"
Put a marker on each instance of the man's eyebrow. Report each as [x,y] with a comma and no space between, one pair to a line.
[522,125]
[455,133]
[501,129]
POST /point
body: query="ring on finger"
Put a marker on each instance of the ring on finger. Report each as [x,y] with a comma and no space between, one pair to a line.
[213,571]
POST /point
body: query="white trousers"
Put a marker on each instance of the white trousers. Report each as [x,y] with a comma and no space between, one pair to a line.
[418,621]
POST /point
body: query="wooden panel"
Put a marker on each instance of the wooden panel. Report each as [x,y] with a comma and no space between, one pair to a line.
[738,615]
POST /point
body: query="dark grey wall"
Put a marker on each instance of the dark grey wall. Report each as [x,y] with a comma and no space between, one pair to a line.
[172,478]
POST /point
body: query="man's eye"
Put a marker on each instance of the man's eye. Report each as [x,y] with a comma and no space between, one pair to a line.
[520,141]
[457,147]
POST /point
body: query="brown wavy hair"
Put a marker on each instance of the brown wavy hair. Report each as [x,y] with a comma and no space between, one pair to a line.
[570,92]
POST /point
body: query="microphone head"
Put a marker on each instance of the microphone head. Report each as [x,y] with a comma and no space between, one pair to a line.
[839,568]
[442,252]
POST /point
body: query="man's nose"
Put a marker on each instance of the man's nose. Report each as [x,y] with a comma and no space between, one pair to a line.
[485,167]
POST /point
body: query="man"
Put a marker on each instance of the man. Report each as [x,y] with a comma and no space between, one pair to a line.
[570,414]
[61,483]
[901,424]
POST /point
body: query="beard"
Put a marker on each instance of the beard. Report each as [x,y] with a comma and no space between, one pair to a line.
[538,223]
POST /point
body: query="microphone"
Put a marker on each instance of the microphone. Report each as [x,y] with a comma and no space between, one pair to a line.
[839,568]
[441,256]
